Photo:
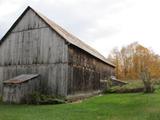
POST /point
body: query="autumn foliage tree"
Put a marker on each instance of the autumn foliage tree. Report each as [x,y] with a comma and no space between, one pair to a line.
[134,59]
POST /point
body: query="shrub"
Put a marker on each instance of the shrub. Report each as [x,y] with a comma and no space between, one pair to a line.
[131,87]
[146,78]
[0,99]
[156,84]
[38,98]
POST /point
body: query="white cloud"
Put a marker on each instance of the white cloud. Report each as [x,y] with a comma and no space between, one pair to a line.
[104,24]
[8,7]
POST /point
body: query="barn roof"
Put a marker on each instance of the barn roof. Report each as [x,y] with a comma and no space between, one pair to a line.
[21,79]
[66,35]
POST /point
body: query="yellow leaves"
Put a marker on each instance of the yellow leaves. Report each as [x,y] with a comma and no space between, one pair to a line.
[132,59]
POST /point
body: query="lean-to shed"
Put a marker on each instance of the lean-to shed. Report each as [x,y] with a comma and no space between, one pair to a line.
[19,89]
[66,65]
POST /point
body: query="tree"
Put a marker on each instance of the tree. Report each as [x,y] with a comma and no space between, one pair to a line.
[131,60]
[145,77]
[115,58]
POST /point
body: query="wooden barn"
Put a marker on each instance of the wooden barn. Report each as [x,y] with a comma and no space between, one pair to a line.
[66,66]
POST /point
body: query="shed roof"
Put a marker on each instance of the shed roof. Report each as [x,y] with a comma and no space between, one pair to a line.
[66,35]
[21,79]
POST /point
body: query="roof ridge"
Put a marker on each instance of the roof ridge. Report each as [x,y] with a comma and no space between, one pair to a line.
[71,38]
[63,33]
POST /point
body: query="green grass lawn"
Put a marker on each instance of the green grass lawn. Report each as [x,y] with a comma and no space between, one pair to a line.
[107,107]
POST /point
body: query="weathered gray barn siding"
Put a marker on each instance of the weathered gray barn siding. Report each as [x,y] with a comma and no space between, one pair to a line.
[1,80]
[36,45]
[86,71]
[19,89]
[32,47]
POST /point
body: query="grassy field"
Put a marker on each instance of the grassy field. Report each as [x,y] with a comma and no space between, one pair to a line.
[107,107]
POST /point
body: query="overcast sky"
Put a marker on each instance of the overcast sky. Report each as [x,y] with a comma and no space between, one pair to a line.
[103,24]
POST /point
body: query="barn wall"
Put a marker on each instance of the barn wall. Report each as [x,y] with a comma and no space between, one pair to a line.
[86,71]
[1,79]
[32,47]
